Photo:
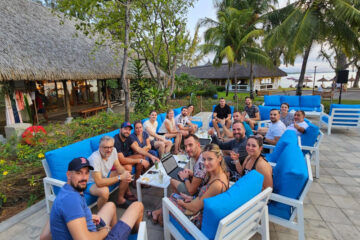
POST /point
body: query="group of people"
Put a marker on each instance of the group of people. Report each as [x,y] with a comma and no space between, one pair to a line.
[207,174]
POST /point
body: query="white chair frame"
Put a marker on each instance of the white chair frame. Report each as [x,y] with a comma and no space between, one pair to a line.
[314,153]
[296,204]
[243,223]
[353,114]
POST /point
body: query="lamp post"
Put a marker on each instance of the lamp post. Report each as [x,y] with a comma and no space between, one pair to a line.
[314,79]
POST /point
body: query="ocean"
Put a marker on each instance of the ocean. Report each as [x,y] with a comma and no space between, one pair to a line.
[285,82]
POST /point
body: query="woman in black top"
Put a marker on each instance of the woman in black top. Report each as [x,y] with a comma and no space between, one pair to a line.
[256,161]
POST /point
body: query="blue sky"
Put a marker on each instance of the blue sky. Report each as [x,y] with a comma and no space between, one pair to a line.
[205,8]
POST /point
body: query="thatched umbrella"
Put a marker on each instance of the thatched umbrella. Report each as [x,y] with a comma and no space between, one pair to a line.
[323,79]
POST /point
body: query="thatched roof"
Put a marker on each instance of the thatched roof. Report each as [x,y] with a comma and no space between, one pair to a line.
[209,71]
[35,46]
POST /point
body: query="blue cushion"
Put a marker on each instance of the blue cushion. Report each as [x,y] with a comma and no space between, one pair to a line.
[310,101]
[58,159]
[241,192]
[290,176]
[162,116]
[311,109]
[177,111]
[274,100]
[185,234]
[293,101]
[198,123]
[133,236]
[285,139]
[309,137]
[265,111]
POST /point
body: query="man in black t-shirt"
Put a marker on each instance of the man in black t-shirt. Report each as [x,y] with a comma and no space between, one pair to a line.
[129,152]
[221,111]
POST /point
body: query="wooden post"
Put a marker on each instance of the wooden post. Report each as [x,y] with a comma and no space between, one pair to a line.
[67,101]
[86,91]
[98,91]
[56,91]
[107,95]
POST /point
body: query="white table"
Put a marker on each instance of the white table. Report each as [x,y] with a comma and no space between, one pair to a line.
[153,179]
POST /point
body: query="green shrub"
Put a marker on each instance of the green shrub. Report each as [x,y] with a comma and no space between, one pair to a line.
[220,88]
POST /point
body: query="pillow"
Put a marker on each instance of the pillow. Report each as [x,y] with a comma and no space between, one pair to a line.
[290,176]
[310,101]
[272,100]
[265,112]
[59,159]
[241,192]
[293,101]
[285,139]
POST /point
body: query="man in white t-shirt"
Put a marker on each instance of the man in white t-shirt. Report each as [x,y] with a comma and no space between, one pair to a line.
[276,128]
[183,123]
[103,160]
[299,124]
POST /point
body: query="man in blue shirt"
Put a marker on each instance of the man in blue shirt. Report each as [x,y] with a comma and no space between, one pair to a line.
[70,217]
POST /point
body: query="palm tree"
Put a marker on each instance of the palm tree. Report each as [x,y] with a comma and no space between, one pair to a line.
[233,37]
[308,22]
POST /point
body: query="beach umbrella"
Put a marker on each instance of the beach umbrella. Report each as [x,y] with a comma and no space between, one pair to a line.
[323,79]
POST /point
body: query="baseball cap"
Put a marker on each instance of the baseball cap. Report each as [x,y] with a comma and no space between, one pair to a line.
[78,163]
[126,124]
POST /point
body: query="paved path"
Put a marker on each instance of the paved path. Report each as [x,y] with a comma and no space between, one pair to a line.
[332,207]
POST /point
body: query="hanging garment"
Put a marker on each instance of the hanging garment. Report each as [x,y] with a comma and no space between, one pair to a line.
[19,100]
[9,111]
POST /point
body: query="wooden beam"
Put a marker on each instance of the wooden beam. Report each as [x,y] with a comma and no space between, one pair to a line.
[107,95]
[98,91]
[67,100]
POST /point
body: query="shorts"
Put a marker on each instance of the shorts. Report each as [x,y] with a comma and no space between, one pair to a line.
[152,143]
[181,188]
[121,231]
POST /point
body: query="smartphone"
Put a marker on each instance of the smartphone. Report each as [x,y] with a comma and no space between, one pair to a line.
[152,172]
[177,196]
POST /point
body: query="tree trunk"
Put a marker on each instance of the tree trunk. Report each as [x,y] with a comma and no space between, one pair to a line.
[357,77]
[303,70]
[124,82]
[228,82]
[251,81]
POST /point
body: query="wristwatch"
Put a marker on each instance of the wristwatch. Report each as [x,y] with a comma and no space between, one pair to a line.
[119,177]
[186,179]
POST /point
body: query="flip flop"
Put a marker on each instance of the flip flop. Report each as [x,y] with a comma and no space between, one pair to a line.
[149,215]
[124,205]
[131,197]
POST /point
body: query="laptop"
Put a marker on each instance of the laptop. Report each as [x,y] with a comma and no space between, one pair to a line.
[170,165]
[204,141]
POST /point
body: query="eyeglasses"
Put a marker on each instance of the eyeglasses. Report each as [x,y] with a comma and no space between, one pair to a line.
[107,147]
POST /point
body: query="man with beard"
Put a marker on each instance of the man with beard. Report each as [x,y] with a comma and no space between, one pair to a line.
[101,178]
[183,123]
[252,111]
[124,146]
[235,149]
[192,177]
[299,125]
[237,116]
[275,130]
[70,217]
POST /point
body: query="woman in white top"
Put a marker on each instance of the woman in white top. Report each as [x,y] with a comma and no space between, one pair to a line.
[168,129]
[157,142]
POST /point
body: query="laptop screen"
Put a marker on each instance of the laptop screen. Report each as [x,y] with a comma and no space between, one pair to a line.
[169,164]
[204,141]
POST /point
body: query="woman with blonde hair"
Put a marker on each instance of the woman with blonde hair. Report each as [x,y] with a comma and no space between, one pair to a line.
[216,182]
[168,129]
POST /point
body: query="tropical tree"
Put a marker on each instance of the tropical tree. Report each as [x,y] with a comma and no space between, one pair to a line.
[306,23]
[233,37]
